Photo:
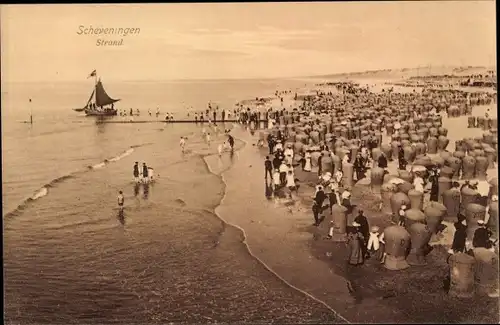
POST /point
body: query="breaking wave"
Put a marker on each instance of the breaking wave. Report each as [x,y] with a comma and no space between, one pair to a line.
[44,190]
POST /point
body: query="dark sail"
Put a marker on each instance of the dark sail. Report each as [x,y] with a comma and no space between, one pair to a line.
[101,98]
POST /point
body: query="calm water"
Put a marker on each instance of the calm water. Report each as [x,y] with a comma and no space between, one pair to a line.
[70,258]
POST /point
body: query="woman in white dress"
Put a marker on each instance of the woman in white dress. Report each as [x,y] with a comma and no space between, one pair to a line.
[307,165]
[418,184]
[289,154]
[270,123]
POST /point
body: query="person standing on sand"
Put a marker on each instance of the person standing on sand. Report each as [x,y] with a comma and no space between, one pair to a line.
[270,143]
[354,241]
[208,139]
[121,200]
[283,171]
[359,167]
[382,161]
[307,158]
[434,185]
[290,182]
[276,180]
[230,140]
[459,237]
[268,168]
[373,240]
[364,228]
[319,198]
[401,158]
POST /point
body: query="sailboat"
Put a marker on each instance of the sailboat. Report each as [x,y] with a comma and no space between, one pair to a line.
[99,103]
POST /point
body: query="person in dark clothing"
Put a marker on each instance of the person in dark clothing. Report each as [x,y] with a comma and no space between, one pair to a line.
[382,161]
[280,155]
[320,170]
[223,115]
[434,187]
[215,116]
[270,143]
[359,167]
[401,159]
[268,165]
[459,237]
[136,172]
[364,228]
[371,143]
[145,176]
[230,139]
[276,162]
[319,198]
[482,236]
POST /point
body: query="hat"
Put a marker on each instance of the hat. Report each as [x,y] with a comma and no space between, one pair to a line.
[374,229]
[403,206]
[355,224]
[480,222]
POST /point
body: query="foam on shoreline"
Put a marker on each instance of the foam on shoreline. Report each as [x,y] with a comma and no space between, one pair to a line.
[269,237]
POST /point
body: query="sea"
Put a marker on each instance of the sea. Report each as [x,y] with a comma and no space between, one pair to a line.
[70,256]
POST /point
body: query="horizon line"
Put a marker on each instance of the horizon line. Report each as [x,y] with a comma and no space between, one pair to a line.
[329,75]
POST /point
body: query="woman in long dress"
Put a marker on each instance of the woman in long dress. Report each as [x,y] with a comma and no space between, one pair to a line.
[307,157]
[459,237]
[354,242]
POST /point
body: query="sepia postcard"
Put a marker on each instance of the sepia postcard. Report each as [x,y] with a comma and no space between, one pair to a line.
[136,139]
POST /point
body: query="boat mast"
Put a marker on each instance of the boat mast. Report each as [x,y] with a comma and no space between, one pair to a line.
[31,113]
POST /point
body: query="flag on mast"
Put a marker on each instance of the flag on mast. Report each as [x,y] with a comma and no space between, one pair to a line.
[92,74]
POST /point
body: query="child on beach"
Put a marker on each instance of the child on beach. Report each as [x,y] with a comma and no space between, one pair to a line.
[276,179]
[182,143]
[121,200]
[208,139]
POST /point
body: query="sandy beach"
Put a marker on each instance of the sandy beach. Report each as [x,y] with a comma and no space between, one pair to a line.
[280,235]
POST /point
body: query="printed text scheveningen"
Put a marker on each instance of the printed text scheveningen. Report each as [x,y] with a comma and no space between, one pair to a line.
[106,32]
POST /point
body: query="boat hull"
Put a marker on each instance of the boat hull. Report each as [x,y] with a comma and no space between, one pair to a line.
[106,112]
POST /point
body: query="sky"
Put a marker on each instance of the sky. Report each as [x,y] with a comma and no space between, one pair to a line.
[242,40]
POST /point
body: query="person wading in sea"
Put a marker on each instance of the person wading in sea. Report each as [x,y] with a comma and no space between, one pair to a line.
[182,143]
[121,200]
[136,172]
[145,173]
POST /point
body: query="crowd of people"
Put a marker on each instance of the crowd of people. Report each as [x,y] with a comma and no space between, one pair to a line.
[279,165]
